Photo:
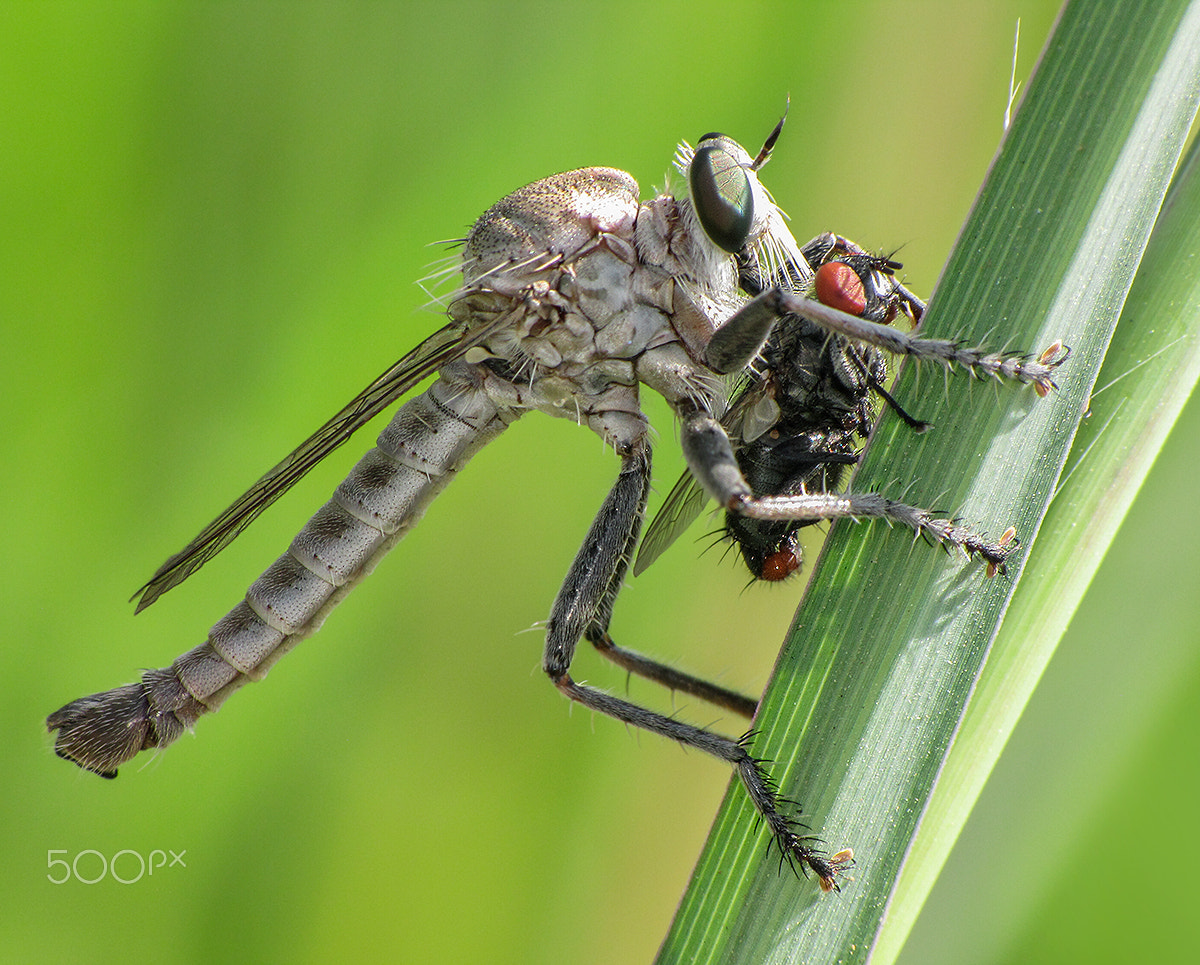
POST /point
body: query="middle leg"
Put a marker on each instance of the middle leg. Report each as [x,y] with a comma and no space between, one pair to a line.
[711,459]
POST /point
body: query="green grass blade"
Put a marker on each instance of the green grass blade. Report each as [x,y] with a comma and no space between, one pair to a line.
[887,648]
[1150,370]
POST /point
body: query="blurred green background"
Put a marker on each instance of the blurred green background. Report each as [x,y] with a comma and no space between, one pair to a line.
[215,215]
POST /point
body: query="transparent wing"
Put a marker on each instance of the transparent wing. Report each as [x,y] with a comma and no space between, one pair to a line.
[442,347]
[687,498]
[776,262]
[683,504]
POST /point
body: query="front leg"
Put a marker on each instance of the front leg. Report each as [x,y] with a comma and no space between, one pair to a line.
[742,337]
[584,604]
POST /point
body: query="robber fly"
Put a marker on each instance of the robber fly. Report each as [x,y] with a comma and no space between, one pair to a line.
[574,294]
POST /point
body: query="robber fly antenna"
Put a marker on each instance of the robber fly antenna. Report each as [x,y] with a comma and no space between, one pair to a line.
[769,144]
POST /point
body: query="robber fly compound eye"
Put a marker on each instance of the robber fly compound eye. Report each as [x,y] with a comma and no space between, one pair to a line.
[722,191]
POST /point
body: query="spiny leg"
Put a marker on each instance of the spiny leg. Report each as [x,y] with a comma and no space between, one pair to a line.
[596,631]
[1000,365]
[795,846]
[742,337]
[671,677]
[710,457]
[584,604]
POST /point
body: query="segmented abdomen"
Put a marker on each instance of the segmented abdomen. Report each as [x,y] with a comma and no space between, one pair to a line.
[428,440]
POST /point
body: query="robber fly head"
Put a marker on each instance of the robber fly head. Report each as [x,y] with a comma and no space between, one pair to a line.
[734,209]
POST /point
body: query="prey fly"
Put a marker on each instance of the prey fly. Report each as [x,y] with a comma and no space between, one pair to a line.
[804,408]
